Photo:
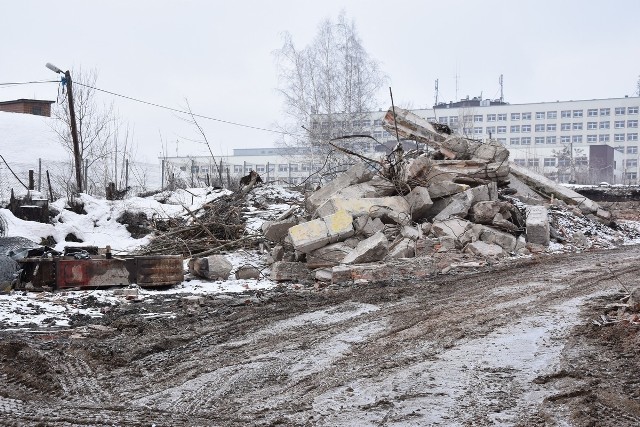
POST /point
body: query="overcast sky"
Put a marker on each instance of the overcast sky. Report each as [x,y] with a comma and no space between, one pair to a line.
[219,55]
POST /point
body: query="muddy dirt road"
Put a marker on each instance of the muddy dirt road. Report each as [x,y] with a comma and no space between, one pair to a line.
[509,345]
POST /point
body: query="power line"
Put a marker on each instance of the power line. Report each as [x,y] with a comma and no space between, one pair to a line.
[176,110]
[9,84]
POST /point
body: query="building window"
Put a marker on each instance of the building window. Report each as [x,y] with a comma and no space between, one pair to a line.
[515,129]
[294,167]
[453,119]
[539,115]
[491,130]
[477,118]
[533,162]
[520,162]
[619,148]
[618,137]
[631,163]
[526,128]
[605,125]
[632,137]
[283,168]
[467,131]
[526,116]
[444,120]
[502,117]
[618,124]
[632,123]
[577,139]
[620,111]
[604,138]
[592,138]
[605,111]
[502,141]
[502,129]
[552,114]
[551,127]
[260,168]
[632,110]
[525,140]
[631,175]
[237,169]
[565,114]
[564,162]
[515,116]
[539,140]
[491,117]
[565,139]
[577,113]
[539,128]
[378,122]
[306,167]
[565,126]
[549,161]
[577,126]
[514,141]
[592,125]
[551,140]
[477,131]
[592,112]
[633,149]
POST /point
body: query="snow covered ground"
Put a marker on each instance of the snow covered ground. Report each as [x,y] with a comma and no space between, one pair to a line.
[99,227]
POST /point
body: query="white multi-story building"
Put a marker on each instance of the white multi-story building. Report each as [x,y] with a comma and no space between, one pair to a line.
[591,140]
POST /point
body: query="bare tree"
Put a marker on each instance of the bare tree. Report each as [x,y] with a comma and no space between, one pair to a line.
[104,143]
[329,87]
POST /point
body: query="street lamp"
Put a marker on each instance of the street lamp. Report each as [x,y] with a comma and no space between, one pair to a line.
[72,117]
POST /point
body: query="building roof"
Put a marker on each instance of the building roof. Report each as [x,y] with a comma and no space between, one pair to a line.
[26,101]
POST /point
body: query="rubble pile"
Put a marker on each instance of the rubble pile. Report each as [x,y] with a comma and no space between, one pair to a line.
[450,202]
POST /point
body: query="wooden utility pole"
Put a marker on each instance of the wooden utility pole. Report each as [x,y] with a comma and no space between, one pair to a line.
[74,132]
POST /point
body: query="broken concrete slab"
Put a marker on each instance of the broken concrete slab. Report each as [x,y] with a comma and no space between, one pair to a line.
[376,187]
[246,272]
[372,249]
[410,232]
[402,248]
[440,189]
[407,269]
[367,226]
[505,240]
[317,233]
[213,267]
[549,188]
[284,271]
[276,231]
[459,204]
[277,253]
[419,202]
[357,174]
[323,275]
[328,256]
[470,170]
[480,248]
[484,212]
[537,225]
[365,206]
[454,227]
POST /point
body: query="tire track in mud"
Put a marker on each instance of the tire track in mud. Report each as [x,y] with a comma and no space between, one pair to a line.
[381,351]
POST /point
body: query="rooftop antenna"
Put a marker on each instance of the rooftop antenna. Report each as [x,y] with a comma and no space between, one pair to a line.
[437,91]
[501,88]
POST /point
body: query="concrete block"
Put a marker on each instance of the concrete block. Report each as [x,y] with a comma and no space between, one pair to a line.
[323,275]
[317,233]
[459,204]
[364,206]
[537,225]
[328,256]
[283,271]
[426,246]
[447,243]
[358,173]
[372,249]
[480,248]
[484,212]
[376,187]
[246,272]
[410,232]
[213,267]
[406,269]
[505,240]
[276,231]
[419,202]
[277,253]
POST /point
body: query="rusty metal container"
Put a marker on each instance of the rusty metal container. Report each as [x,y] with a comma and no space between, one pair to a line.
[81,273]
[159,270]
